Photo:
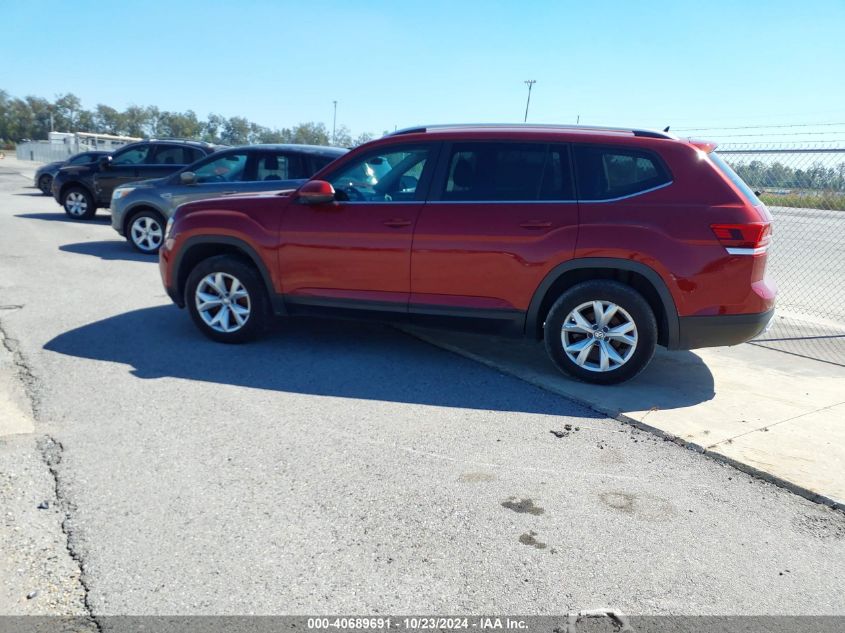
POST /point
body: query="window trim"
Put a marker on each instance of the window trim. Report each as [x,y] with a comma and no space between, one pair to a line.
[653,155]
[438,185]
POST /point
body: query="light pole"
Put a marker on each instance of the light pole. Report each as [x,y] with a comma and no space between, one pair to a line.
[334,124]
[530,83]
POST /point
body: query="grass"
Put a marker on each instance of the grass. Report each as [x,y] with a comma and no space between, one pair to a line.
[831,202]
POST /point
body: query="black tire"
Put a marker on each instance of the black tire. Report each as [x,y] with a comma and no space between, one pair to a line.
[258,302]
[632,307]
[78,203]
[145,231]
[45,183]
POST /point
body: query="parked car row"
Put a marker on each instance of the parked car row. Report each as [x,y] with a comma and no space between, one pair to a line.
[601,242]
[144,182]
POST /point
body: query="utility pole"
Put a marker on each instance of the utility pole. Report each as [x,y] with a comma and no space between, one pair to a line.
[530,83]
[334,124]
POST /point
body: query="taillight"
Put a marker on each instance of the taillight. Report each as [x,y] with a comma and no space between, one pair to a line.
[744,239]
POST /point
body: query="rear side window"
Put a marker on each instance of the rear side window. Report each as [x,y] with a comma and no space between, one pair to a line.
[281,167]
[508,172]
[192,154]
[734,178]
[605,173]
[169,155]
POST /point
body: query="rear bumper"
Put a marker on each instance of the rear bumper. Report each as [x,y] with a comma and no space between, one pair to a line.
[723,329]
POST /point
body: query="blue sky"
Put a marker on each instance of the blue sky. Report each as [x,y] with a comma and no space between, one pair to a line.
[651,64]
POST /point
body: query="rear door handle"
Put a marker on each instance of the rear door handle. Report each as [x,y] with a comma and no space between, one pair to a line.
[536,224]
[229,193]
[397,223]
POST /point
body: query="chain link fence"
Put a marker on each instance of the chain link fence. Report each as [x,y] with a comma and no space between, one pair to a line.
[804,188]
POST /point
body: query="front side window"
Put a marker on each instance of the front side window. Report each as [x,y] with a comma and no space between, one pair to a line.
[280,167]
[131,156]
[82,159]
[386,176]
[607,173]
[227,168]
[508,172]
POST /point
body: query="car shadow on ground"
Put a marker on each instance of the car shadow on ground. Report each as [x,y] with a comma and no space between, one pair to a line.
[61,216]
[33,194]
[320,357]
[108,250]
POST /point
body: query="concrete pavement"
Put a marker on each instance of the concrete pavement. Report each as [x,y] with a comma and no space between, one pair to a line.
[772,414]
[339,467]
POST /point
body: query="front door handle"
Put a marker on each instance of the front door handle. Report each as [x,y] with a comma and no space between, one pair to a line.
[536,224]
[397,223]
[229,193]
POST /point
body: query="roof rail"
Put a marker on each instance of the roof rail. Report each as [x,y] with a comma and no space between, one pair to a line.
[418,129]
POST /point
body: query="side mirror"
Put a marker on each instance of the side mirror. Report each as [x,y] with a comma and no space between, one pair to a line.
[316,192]
[105,162]
[188,178]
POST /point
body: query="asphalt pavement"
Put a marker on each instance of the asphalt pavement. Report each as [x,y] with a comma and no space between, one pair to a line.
[338,467]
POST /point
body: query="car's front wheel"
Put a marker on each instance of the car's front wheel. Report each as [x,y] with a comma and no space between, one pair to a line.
[45,183]
[78,203]
[601,331]
[146,231]
[227,299]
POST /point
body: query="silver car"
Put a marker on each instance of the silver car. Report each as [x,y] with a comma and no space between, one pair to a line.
[140,210]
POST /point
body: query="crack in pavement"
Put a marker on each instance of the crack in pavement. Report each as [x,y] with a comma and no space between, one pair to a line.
[50,451]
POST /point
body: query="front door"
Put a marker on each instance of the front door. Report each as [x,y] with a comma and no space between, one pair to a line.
[355,252]
[122,168]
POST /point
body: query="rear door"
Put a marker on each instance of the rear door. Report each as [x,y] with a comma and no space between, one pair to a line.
[500,216]
[165,159]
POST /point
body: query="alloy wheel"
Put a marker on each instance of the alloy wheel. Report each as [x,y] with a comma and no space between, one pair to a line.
[599,336]
[222,302]
[76,204]
[147,233]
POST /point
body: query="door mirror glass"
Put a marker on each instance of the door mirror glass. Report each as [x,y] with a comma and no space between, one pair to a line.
[316,192]
[188,178]
[105,162]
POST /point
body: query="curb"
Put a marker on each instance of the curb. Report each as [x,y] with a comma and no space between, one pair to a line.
[615,414]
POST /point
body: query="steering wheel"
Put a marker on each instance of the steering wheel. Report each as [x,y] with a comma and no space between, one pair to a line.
[353,194]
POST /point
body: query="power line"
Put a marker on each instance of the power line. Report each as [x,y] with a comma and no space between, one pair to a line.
[755,127]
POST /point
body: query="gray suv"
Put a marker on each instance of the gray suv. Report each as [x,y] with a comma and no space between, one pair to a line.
[140,210]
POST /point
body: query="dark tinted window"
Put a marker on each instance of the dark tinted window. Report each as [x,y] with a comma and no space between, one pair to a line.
[82,159]
[169,155]
[192,154]
[320,162]
[132,156]
[606,172]
[508,171]
[279,166]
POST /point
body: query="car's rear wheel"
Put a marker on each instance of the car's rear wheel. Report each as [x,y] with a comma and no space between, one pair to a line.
[227,299]
[146,231]
[45,183]
[78,203]
[601,331]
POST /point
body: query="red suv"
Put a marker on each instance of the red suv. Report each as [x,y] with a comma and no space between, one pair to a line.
[603,242]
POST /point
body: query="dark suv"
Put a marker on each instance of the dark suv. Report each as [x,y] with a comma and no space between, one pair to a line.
[602,242]
[81,189]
